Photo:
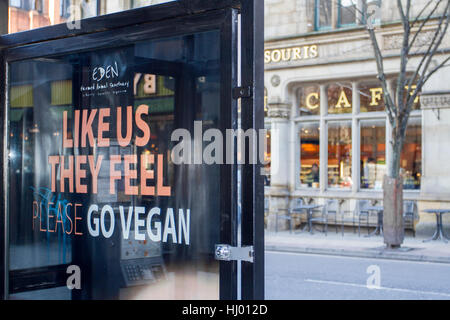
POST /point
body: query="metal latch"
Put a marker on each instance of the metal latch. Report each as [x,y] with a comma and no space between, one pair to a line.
[226,252]
[242,92]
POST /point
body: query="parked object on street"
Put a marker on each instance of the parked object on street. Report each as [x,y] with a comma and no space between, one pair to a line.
[439,233]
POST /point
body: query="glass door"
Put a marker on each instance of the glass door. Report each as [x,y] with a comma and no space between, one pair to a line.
[111,190]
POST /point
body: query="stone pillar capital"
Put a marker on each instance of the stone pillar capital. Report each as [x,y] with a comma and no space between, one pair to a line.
[278,109]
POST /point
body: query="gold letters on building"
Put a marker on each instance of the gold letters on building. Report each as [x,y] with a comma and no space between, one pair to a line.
[291,54]
[376,94]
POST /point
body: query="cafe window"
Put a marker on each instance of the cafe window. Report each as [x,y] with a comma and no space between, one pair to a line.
[309,100]
[411,156]
[373,153]
[323,12]
[339,98]
[368,121]
[309,154]
[347,12]
[340,154]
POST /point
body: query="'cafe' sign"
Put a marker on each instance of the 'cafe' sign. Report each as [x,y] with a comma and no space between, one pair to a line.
[291,54]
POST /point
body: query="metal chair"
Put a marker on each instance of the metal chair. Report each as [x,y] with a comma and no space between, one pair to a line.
[331,208]
[410,213]
[361,212]
[288,215]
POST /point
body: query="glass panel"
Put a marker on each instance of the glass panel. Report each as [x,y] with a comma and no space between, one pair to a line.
[323,13]
[309,154]
[309,100]
[31,14]
[347,12]
[411,157]
[339,98]
[373,153]
[92,176]
[371,97]
[340,154]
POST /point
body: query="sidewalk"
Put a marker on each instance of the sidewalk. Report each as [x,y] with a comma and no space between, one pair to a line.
[413,249]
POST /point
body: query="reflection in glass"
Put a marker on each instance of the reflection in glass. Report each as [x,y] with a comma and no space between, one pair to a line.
[339,98]
[411,157]
[27,14]
[309,100]
[152,234]
[323,14]
[340,154]
[373,153]
[309,154]
[347,12]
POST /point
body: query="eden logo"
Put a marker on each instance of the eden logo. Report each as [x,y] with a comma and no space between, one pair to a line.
[374,280]
[105,72]
[74,280]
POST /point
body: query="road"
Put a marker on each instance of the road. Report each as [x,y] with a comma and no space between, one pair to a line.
[306,276]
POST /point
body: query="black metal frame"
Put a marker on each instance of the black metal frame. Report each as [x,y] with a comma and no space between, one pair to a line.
[252,113]
[171,19]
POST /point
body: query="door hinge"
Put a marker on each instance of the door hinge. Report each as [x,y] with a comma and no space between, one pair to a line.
[226,252]
[242,92]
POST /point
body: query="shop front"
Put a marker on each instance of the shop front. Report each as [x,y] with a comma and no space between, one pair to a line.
[326,116]
[101,198]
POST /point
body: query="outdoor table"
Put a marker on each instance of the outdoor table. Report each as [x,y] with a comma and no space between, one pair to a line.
[309,212]
[379,229]
[439,233]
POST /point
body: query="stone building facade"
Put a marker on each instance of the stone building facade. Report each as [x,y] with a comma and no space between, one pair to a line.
[329,133]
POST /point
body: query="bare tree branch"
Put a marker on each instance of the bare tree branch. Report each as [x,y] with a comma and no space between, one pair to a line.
[423,11]
[382,77]
[424,22]
[428,57]
[401,79]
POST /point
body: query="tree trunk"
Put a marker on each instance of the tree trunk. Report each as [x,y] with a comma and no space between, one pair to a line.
[393,230]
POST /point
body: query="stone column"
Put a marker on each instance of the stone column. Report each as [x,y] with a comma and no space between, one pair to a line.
[355,138]
[279,113]
[323,139]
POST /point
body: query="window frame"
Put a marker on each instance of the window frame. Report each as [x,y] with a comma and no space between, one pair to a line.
[317,26]
[339,16]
